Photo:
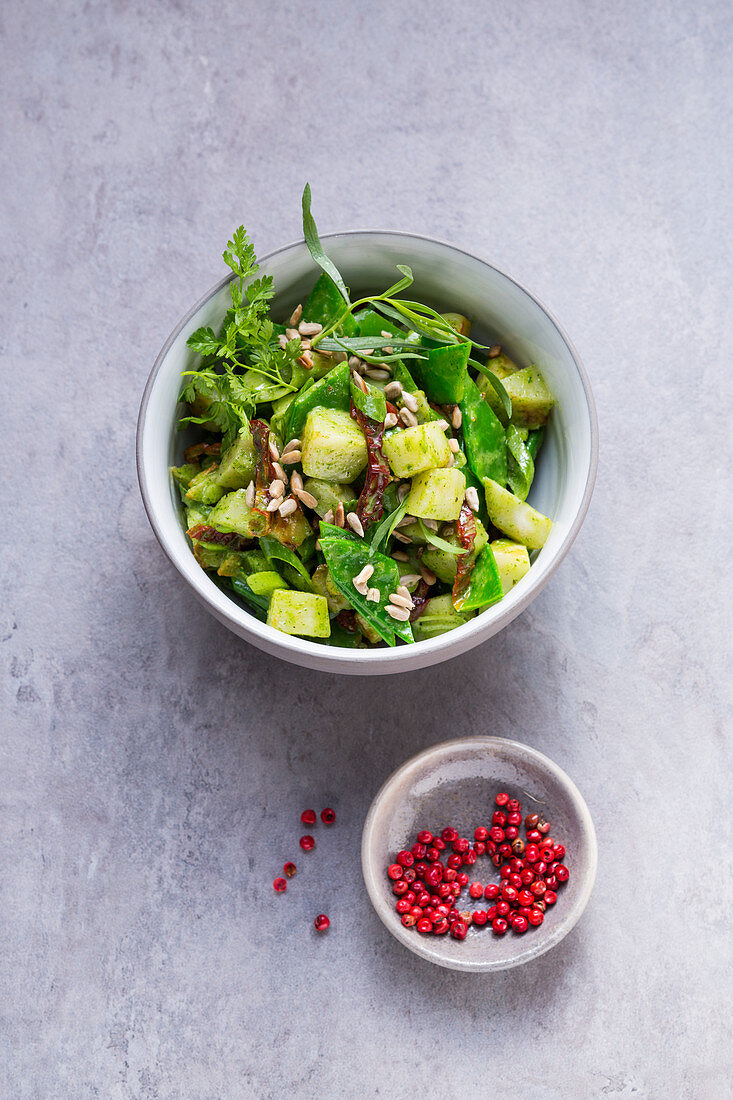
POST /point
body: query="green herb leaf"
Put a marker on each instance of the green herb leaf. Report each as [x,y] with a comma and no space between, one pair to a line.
[438,543]
[275,551]
[372,403]
[382,534]
[310,232]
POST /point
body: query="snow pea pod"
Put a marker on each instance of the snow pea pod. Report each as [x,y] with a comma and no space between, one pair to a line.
[535,440]
[520,464]
[484,586]
[483,436]
[325,305]
[330,392]
[444,374]
[345,559]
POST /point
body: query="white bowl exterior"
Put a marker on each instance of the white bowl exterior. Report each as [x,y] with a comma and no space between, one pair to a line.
[445,277]
[459,779]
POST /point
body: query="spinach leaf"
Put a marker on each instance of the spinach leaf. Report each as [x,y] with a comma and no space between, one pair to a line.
[345,560]
[275,551]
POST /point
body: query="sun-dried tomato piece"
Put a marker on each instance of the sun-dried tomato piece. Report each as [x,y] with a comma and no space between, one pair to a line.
[201,532]
[198,449]
[420,598]
[371,504]
[265,471]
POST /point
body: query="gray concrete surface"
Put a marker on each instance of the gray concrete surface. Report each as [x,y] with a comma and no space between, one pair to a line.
[152,766]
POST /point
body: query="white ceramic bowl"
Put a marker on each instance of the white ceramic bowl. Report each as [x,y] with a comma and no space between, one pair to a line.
[445,277]
[455,783]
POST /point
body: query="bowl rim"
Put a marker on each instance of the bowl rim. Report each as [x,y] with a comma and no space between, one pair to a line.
[388,660]
[421,945]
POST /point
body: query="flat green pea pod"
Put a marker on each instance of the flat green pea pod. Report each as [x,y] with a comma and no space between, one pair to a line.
[483,436]
[484,586]
[325,305]
[372,403]
[535,439]
[372,323]
[443,375]
[333,391]
[345,559]
[520,464]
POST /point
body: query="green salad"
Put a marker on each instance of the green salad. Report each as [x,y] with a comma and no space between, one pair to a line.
[361,467]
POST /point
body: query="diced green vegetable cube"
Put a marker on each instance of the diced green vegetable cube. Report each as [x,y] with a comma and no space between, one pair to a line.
[205,487]
[531,399]
[333,446]
[438,617]
[324,586]
[330,494]
[461,324]
[264,584]
[515,517]
[299,613]
[237,467]
[437,494]
[512,561]
[416,449]
[232,513]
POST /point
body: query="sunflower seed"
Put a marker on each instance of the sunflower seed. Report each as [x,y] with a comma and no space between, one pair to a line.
[328,518]
[355,362]
[306,360]
[296,315]
[309,328]
[296,481]
[399,613]
[385,334]
[402,538]
[288,507]
[355,524]
[403,591]
[396,600]
[427,574]
[291,458]
[408,418]
[364,575]
[249,494]
[431,524]
[306,498]
[387,350]
[373,595]
[456,418]
[340,516]
[359,382]
[472,498]
[273,450]
[443,425]
[454,446]
[407,578]
[405,521]
[400,555]
[282,340]
[277,488]
[279,472]
[293,445]
[274,504]
[305,343]
[292,334]
[378,375]
[403,491]
[495,351]
[409,401]
[361,588]
[367,351]
[390,420]
[394,389]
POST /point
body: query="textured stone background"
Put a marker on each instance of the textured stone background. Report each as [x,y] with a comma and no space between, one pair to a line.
[152,765]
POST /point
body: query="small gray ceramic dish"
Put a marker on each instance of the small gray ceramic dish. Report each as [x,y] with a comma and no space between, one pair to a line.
[455,783]
[447,278]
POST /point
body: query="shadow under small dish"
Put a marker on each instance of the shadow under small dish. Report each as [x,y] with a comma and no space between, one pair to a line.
[455,783]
